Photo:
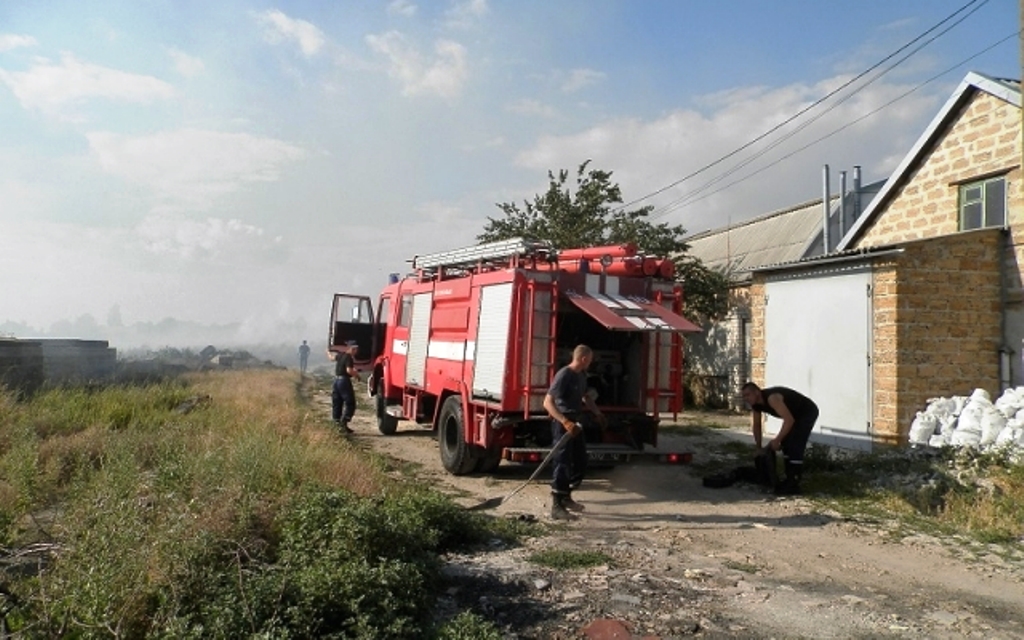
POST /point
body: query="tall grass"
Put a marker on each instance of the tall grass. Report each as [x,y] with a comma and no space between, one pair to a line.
[214,506]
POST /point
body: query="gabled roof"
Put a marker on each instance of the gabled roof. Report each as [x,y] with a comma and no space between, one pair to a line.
[1007,90]
[783,236]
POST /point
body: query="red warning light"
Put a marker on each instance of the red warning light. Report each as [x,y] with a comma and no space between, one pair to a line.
[672,458]
[535,457]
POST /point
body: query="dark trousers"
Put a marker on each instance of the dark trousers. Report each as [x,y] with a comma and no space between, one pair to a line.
[343,399]
[570,462]
[796,441]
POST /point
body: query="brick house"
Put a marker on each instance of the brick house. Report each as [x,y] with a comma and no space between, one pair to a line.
[923,295]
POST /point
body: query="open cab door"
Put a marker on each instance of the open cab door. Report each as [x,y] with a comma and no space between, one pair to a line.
[352,321]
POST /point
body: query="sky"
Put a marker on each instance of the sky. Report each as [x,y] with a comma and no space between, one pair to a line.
[235,163]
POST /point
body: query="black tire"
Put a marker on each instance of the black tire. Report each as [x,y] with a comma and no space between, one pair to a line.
[386,424]
[487,460]
[457,455]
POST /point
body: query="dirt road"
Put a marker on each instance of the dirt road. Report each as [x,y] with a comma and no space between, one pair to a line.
[688,561]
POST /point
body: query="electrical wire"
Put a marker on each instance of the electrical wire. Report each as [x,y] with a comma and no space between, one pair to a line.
[686,199]
[802,111]
[678,205]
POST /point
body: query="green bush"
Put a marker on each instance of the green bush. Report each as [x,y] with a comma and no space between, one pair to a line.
[468,626]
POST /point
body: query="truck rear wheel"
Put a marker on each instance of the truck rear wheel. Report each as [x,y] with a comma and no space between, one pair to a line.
[457,455]
[487,459]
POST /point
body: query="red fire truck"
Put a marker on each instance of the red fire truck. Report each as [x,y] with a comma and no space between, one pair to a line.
[468,343]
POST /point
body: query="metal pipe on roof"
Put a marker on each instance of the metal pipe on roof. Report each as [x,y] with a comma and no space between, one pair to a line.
[856,191]
[842,205]
[825,206]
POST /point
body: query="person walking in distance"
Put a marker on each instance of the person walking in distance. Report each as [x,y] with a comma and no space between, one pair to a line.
[565,401]
[798,414]
[303,357]
[343,396]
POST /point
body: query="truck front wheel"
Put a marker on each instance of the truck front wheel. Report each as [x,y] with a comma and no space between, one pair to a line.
[457,455]
[386,423]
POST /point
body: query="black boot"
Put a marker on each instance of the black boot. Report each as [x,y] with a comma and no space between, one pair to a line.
[572,505]
[791,485]
[558,509]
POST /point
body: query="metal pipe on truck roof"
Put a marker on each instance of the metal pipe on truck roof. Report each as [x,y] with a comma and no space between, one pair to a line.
[596,253]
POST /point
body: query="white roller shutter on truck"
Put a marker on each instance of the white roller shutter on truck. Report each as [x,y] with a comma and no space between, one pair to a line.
[419,337]
[492,333]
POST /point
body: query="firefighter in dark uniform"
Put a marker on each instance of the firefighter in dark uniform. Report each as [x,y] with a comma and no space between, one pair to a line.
[565,402]
[798,414]
[343,396]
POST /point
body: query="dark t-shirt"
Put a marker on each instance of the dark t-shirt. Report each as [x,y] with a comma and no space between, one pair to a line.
[342,364]
[798,404]
[567,390]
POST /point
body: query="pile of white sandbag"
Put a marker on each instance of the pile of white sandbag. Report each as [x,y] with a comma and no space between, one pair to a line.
[974,421]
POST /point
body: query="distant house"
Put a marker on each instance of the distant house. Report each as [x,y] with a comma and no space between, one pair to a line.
[923,295]
[718,362]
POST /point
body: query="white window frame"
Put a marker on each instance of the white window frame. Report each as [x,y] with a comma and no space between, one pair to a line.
[983,199]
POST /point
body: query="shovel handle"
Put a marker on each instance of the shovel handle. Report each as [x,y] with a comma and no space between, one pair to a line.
[566,437]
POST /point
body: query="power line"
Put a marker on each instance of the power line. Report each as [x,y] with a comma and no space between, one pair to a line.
[802,111]
[845,126]
[688,198]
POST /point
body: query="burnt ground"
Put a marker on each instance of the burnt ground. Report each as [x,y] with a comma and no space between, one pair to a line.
[685,561]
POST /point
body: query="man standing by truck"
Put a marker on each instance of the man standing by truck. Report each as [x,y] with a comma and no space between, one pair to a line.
[798,414]
[565,401]
[343,396]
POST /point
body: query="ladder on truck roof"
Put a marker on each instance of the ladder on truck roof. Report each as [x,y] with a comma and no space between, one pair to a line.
[468,257]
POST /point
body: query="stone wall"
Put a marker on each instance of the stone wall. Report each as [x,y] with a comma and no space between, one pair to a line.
[947,323]
[25,365]
[21,365]
[983,141]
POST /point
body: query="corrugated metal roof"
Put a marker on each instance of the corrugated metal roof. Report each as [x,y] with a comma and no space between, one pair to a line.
[776,238]
[782,236]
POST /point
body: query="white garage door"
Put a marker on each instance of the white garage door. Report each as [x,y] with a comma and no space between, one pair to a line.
[818,341]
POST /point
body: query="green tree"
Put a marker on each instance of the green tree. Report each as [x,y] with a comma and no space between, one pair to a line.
[591,215]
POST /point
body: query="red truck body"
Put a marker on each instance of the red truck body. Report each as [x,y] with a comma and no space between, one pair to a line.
[468,345]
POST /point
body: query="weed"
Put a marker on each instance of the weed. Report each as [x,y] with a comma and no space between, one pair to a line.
[569,559]
[745,567]
[234,517]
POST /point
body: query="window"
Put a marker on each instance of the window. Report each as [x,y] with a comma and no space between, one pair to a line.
[983,204]
[384,311]
[405,312]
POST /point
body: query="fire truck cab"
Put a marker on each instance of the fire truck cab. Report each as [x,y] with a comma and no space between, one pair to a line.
[468,343]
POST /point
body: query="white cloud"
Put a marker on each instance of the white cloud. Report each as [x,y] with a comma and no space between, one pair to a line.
[527,107]
[465,14]
[10,41]
[443,76]
[278,27]
[580,78]
[185,64]
[401,8]
[647,155]
[48,87]
[192,166]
